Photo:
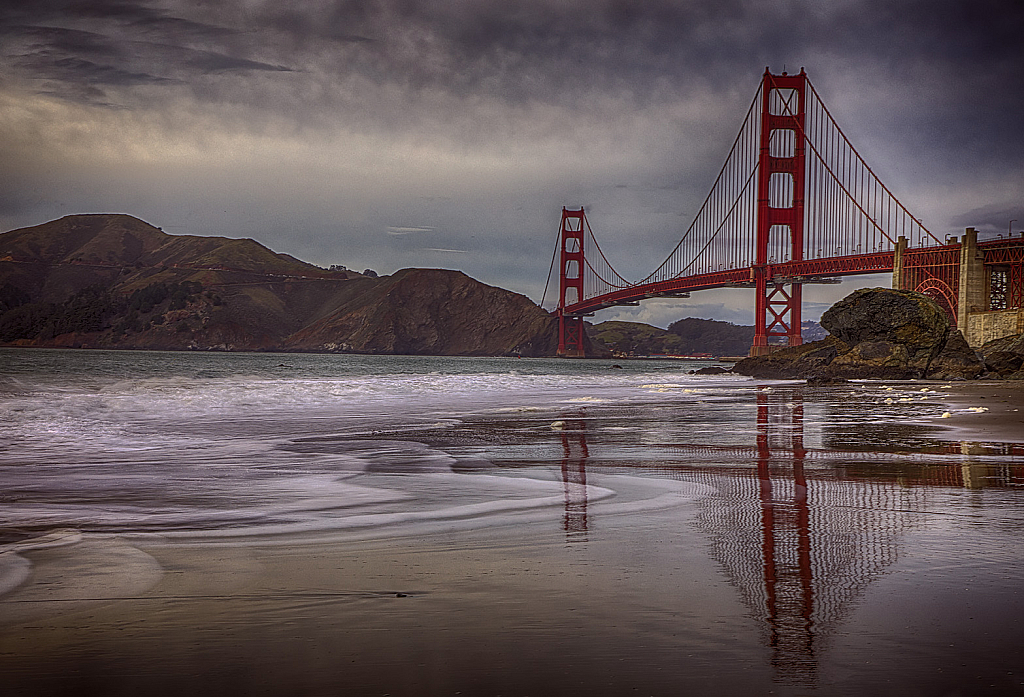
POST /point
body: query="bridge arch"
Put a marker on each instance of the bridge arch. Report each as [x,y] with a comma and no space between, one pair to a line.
[939,291]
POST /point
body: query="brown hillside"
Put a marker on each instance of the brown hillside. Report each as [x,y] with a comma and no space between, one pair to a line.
[99,238]
[433,312]
[117,239]
[113,281]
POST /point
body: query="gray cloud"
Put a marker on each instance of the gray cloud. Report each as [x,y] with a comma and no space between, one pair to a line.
[316,126]
[433,58]
[408,230]
[994,219]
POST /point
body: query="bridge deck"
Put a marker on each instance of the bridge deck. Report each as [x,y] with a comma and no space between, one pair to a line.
[805,271]
[1000,251]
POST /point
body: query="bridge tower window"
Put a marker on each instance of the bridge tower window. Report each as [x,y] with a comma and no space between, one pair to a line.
[784,102]
[780,190]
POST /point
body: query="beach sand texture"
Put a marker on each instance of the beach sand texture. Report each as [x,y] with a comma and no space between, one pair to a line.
[833,543]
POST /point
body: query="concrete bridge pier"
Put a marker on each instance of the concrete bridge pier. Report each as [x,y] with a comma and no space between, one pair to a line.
[973,288]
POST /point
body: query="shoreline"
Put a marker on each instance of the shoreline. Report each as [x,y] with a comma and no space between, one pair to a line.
[1003,402]
[991,410]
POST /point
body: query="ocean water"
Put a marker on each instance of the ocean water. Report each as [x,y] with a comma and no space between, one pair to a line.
[216,444]
[568,527]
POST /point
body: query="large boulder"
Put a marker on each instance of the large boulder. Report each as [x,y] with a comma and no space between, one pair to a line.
[902,318]
[876,333]
[956,360]
[872,359]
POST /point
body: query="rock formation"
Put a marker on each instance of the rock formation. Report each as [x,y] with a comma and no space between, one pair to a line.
[876,333]
[1004,358]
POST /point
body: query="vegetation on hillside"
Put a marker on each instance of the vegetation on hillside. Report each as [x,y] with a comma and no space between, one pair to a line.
[712,336]
[687,337]
[114,281]
[93,309]
[632,339]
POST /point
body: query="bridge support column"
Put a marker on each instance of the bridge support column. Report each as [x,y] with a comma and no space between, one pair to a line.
[897,263]
[972,290]
[777,314]
[781,181]
[570,336]
[570,284]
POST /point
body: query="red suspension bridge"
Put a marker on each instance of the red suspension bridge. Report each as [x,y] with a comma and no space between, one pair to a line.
[793,204]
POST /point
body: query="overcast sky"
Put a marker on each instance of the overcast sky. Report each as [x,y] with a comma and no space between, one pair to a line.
[394,133]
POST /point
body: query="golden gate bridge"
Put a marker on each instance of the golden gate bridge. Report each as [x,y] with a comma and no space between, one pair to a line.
[794,203]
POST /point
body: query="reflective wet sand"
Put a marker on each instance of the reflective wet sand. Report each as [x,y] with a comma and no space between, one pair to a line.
[773,541]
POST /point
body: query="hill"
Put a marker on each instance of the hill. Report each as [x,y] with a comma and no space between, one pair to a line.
[632,339]
[114,281]
[712,336]
[687,337]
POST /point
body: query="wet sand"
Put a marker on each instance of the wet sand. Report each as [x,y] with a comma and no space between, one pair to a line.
[1003,418]
[633,605]
[876,585]
[511,611]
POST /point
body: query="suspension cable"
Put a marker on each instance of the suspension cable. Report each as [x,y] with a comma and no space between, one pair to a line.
[710,193]
[860,159]
[551,268]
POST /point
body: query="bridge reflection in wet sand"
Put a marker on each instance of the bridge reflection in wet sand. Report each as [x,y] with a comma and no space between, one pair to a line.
[799,551]
[574,478]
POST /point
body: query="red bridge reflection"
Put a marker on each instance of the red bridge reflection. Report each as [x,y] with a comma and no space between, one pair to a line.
[574,478]
[801,533]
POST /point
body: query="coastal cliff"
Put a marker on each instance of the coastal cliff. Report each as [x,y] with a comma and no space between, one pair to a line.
[114,281]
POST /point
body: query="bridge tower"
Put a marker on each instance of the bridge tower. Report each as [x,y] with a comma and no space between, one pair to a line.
[570,284]
[781,170]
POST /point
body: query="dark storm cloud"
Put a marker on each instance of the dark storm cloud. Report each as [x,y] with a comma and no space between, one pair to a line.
[75,50]
[79,70]
[570,54]
[994,219]
[518,52]
[146,16]
[617,42]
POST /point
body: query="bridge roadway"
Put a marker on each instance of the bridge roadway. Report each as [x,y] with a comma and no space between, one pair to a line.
[939,262]
[804,271]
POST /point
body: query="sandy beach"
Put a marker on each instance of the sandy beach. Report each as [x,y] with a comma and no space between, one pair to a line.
[1003,418]
[644,535]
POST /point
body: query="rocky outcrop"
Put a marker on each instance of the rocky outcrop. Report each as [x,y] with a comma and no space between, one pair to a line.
[799,362]
[710,370]
[956,360]
[1004,358]
[876,333]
